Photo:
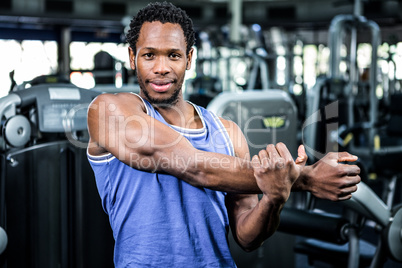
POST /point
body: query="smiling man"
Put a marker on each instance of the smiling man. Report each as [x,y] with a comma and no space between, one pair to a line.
[173,176]
[169,79]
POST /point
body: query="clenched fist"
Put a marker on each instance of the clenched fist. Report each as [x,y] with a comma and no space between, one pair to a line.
[329,178]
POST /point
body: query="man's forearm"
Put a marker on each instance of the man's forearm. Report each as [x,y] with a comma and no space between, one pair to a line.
[254,226]
[199,168]
[213,170]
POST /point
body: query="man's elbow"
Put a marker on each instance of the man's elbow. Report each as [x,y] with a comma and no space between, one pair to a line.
[250,246]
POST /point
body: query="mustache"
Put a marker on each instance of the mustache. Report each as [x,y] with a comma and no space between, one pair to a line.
[161,81]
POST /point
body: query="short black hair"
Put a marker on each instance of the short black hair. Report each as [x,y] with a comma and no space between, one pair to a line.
[164,13]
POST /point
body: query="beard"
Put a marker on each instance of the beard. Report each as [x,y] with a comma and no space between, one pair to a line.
[158,101]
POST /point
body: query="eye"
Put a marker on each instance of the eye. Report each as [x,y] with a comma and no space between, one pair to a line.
[148,55]
[174,56]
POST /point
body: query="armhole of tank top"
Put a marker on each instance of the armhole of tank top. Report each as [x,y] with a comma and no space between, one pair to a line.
[225,133]
[100,158]
[143,101]
[199,112]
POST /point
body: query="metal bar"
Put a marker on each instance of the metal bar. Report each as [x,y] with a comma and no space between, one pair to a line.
[354,249]
[235,6]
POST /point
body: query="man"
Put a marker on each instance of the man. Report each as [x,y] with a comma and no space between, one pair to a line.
[173,176]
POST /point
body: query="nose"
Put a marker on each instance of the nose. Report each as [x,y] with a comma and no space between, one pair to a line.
[161,66]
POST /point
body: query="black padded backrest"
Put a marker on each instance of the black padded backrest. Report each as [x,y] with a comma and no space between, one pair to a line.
[394,127]
[396,103]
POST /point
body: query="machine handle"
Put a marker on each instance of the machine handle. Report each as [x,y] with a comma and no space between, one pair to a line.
[367,203]
[28,97]
[7,102]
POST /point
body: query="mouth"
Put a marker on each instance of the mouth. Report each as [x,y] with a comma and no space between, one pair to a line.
[160,85]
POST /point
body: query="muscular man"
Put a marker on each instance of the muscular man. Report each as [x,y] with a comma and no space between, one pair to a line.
[172,176]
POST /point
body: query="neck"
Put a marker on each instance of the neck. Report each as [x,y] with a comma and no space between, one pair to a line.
[181,114]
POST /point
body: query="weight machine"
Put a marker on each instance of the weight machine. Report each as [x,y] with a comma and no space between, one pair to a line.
[49,205]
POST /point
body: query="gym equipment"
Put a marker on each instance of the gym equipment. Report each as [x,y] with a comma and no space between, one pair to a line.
[218,68]
[228,67]
[265,116]
[259,55]
[206,85]
[336,230]
[345,92]
[367,203]
[50,206]
[204,89]
[351,100]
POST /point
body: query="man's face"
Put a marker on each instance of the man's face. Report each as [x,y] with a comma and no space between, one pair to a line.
[160,61]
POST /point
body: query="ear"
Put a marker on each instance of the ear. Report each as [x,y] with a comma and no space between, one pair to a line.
[189,57]
[131,56]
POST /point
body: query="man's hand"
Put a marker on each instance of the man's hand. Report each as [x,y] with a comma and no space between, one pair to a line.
[275,172]
[329,178]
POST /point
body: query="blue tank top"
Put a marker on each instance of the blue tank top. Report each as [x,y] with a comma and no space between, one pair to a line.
[159,220]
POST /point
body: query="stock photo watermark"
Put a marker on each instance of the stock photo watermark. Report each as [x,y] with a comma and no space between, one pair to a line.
[116,133]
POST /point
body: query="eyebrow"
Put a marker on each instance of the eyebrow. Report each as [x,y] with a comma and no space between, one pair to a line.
[170,50]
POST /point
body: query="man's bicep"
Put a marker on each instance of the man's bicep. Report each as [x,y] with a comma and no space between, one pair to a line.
[112,119]
[95,121]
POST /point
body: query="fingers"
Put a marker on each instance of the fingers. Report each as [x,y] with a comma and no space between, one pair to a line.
[343,198]
[341,157]
[348,170]
[346,157]
[272,157]
[346,190]
[272,173]
[349,190]
[264,157]
[302,156]
[346,193]
[352,181]
[340,194]
[283,151]
[255,162]
[271,151]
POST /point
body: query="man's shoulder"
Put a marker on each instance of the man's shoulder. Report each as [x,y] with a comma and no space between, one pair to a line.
[112,102]
[229,125]
[119,97]
[236,136]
